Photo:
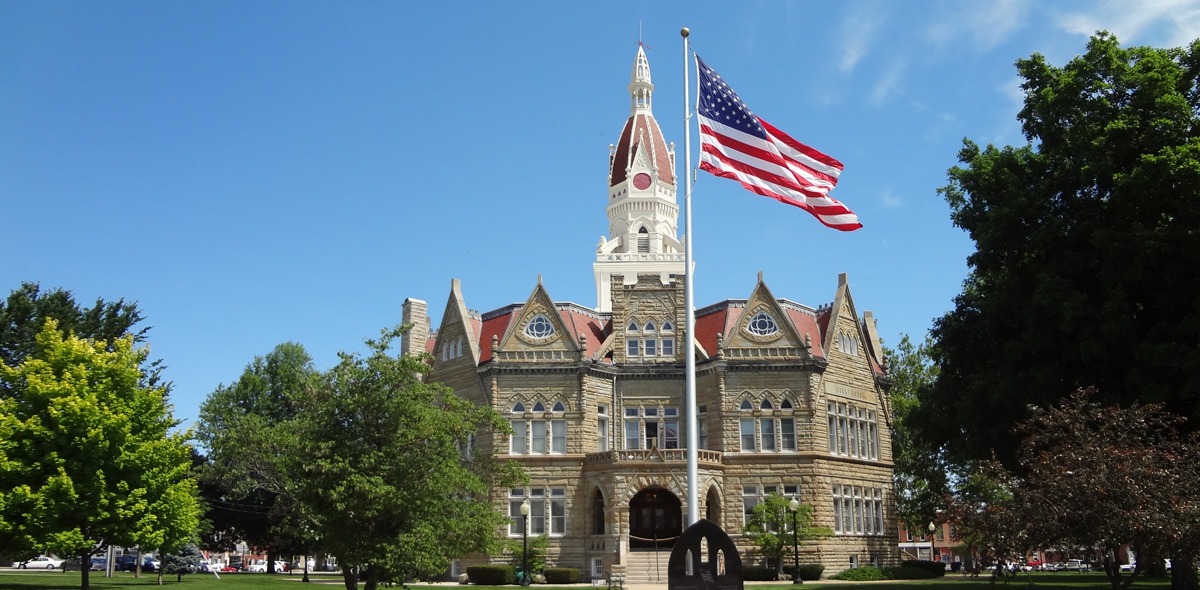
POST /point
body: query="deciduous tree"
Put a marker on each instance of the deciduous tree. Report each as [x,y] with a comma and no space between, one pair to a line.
[248,428]
[386,472]
[770,528]
[24,313]
[88,455]
[1086,250]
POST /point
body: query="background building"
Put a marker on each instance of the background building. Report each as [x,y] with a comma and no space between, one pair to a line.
[792,399]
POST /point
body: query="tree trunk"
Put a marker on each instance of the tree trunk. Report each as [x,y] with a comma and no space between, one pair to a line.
[371,578]
[349,578]
[85,567]
[1183,574]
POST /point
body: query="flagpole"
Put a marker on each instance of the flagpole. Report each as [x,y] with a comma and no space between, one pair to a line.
[689,348]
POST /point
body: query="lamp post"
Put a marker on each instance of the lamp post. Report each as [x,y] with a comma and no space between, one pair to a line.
[794,507]
[932,546]
[525,543]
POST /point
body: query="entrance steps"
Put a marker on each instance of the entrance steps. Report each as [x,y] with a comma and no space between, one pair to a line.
[646,567]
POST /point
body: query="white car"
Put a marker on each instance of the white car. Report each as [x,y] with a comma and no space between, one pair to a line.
[41,562]
[261,567]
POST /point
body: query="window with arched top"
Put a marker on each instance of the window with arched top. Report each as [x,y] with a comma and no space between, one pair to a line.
[539,407]
[559,407]
[650,326]
[518,408]
[764,430]
[643,240]
[667,326]
[633,327]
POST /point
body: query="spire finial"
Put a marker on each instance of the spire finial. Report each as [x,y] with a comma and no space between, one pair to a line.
[640,87]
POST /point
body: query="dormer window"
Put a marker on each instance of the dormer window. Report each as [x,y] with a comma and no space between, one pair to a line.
[762,324]
[539,327]
[643,241]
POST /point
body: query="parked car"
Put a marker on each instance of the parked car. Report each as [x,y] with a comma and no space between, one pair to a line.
[1128,567]
[95,564]
[260,566]
[1075,565]
[229,567]
[128,563]
[39,562]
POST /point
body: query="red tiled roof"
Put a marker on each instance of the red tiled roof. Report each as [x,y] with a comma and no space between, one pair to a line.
[709,325]
[578,323]
[806,325]
[494,326]
[641,129]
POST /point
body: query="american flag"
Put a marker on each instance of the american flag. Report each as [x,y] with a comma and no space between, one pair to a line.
[736,144]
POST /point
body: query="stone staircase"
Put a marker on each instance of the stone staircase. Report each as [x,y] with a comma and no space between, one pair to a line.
[646,567]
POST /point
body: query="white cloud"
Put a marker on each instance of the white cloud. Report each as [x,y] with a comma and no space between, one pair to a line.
[859,28]
[888,84]
[889,200]
[1162,23]
[984,23]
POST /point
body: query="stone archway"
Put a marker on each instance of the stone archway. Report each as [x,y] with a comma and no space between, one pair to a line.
[655,519]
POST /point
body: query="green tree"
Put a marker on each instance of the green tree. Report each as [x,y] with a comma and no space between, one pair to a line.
[24,313]
[87,452]
[1103,477]
[770,528]
[384,472]
[920,472]
[248,429]
[1086,250]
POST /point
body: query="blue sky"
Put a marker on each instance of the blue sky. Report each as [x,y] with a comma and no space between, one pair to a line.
[252,173]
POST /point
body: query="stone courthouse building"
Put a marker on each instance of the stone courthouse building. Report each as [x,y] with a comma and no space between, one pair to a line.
[792,399]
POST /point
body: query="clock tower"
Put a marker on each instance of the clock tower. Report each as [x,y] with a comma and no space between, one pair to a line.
[642,210]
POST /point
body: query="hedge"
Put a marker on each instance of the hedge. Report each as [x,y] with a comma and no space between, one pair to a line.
[866,573]
[492,575]
[561,575]
[758,573]
[936,568]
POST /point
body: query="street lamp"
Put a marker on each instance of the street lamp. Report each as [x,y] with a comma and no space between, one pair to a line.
[932,547]
[525,543]
[794,507]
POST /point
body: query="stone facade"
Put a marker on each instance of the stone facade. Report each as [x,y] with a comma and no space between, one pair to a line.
[791,399]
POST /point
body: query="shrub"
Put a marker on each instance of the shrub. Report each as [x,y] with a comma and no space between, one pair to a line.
[811,571]
[866,573]
[936,568]
[561,575]
[492,575]
[758,573]
[908,572]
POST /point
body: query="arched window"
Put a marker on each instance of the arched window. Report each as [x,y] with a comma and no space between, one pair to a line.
[518,408]
[650,326]
[643,240]
[746,406]
[667,327]
[559,407]
[539,407]
[785,404]
[766,405]
[633,327]
[597,514]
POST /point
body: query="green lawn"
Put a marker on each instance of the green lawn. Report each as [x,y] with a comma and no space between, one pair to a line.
[239,581]
[1040,581]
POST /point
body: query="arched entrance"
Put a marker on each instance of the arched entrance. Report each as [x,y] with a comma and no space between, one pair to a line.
[655,519]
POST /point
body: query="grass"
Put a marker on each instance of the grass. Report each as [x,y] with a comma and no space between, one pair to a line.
[10,580]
